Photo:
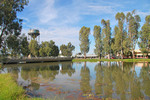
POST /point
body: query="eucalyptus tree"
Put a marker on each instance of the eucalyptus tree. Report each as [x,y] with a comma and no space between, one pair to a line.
[24,46]
[13,45]
[133,22]
[48,49]
[98,40]
[34,48]
[9,23]
[84,40]
[66,50]
[120,34]
[144,43]
[106,31]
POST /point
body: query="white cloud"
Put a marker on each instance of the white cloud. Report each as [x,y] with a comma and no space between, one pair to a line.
[47,12]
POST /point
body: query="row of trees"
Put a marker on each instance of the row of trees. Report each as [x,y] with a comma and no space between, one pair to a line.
[19,46]
[125,36]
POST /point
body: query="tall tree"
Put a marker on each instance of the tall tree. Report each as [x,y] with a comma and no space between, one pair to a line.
[144,44]
[98,40]
[48,49]
[34,48]
[133,26]
[107,36]
[120,34]
[66,50]
[24,45]
[13,45]
[84,40]
[54,49]
[9,23]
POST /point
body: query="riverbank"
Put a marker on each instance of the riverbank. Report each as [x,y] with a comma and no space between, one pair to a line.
[9,90]
[124,60]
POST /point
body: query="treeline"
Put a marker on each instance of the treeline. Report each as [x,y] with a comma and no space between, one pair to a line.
[122,40]
[18,46]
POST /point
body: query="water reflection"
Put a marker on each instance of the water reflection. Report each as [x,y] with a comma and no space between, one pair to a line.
[85,79]
[117,80]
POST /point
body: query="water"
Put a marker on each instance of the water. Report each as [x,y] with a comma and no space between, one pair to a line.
[85,80]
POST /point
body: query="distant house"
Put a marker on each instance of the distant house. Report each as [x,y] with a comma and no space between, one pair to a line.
[139,54]
[79,55]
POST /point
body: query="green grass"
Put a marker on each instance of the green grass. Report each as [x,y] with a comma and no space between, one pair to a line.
[124,60]
[9,90]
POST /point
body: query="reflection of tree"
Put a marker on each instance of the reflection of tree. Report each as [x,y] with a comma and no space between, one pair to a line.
[107,81]
[121,79]
[49,72]
[99,79]
[85,79]
[29,72]
[135,86]
[145,77]
[67,68]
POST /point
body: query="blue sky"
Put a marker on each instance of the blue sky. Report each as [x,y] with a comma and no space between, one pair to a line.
[61,20]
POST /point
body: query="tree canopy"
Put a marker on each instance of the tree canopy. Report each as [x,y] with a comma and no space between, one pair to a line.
[84,40]
[66,50]
[9,22]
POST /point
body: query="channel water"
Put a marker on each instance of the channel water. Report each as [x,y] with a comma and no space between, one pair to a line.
[84,80]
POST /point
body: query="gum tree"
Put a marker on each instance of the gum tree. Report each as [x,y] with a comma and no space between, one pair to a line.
[98,41]
[84,40]
[133,22]
[9,23]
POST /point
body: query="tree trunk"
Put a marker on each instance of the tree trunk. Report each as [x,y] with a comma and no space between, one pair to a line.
[84,55]
[108,56]
[121,54]
[133,56]
[100,56]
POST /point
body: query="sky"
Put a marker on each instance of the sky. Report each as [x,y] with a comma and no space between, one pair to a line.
[61,20]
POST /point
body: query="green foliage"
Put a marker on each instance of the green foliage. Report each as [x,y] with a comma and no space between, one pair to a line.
[144,43]
[24,46]
[48,49]
[133,26]
[66,50]
[9,90]
[84,40]
[9,23]
[106,31]
[34,47]
[13,45]
[121,40]
[98,40]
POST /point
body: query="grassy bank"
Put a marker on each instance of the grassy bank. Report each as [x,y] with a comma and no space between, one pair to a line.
[9,90]
[124,60]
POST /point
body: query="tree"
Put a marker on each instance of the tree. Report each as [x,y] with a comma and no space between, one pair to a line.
[48,49]
[120,35]
[54,49]
[34,48]
[98,40]
[13,45]
[133,26]
[84,40]
[144,44]
[9,23]
[66,50]
[24,46]
[106,31]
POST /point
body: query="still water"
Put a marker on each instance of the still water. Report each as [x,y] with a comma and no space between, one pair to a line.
[85,80]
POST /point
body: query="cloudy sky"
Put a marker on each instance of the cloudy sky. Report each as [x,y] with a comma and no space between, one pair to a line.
[61,20]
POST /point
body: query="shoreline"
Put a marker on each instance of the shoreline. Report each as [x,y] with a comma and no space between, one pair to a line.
[111,60]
